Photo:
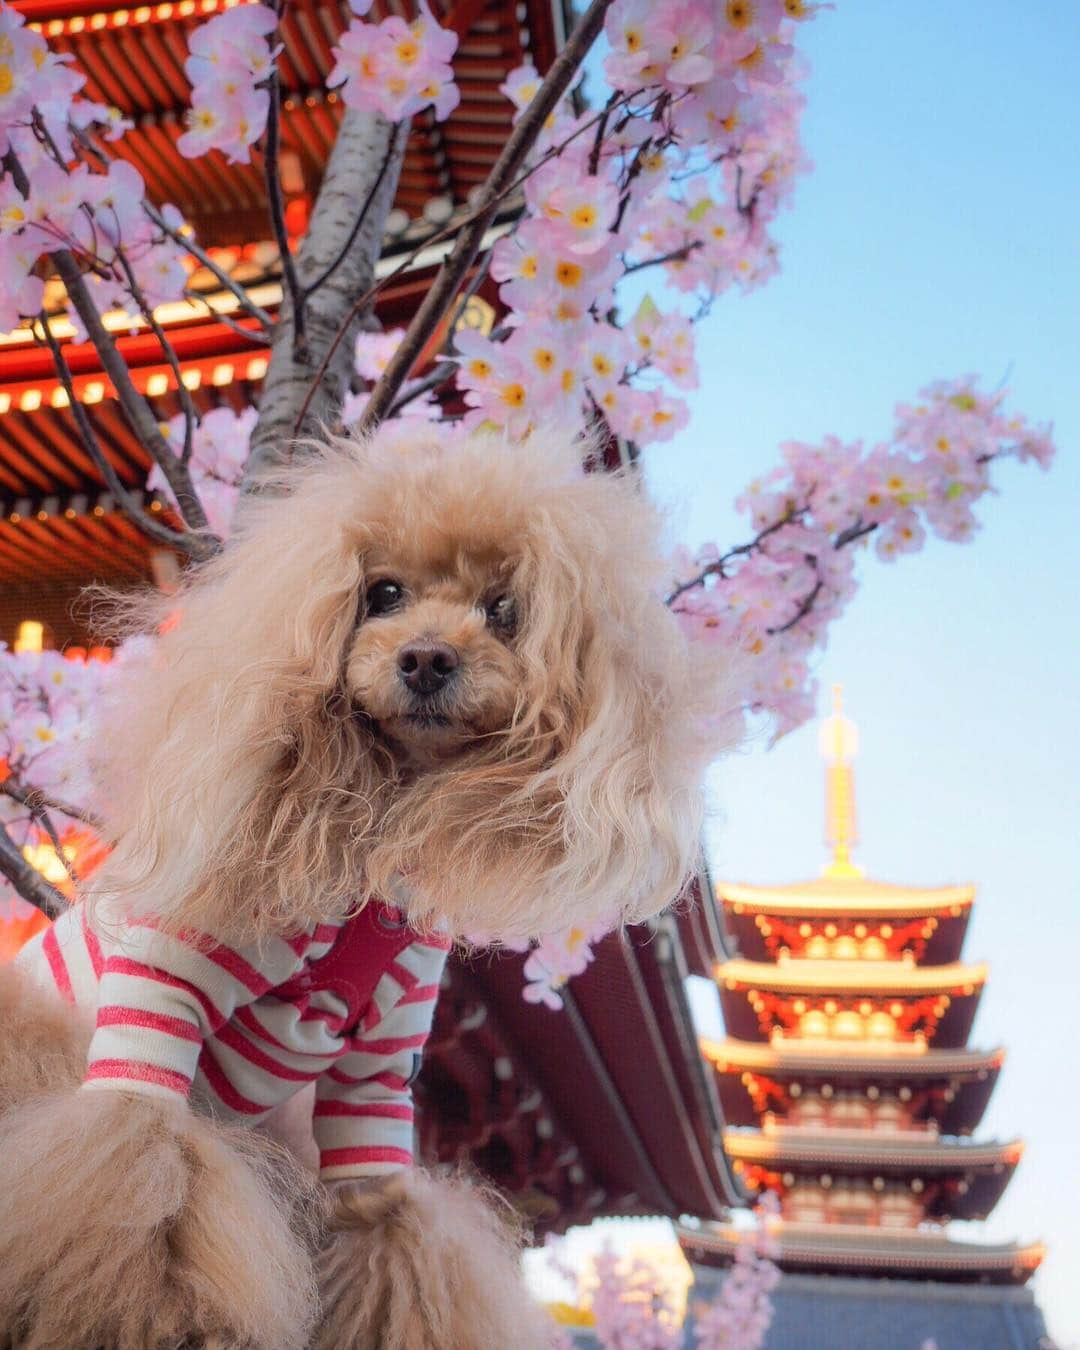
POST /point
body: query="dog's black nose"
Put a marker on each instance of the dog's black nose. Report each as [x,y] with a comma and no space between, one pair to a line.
[426,666]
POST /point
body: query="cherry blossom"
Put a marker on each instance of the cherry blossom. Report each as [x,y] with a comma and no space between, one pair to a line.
[555,960]
[230,60]
[46,702]
[397,68]
[632,1308]
[740,1318]
[686,176]
[219,450]
[776,597]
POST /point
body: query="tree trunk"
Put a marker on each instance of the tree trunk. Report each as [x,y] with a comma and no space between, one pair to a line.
[360,154]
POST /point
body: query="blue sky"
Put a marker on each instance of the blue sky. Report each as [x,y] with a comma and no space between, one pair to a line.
[937,235]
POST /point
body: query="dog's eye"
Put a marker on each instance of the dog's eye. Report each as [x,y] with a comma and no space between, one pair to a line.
[502,614]
[383,597]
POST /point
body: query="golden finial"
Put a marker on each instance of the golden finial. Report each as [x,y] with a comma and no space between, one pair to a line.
[838,741]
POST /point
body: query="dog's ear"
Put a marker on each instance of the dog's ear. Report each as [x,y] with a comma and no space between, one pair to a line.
[231,754]
[626,743]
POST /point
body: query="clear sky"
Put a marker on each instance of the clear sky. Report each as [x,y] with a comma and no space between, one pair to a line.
[937,235]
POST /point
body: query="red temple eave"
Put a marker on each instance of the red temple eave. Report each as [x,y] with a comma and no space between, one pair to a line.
[844,895]
[958,1180]
[762,1000]
[200,339]
[952,1087]
[617,1070]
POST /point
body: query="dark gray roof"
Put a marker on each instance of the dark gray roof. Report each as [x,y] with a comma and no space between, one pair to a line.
[814,1312]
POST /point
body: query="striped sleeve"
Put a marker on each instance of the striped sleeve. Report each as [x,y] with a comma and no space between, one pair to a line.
[160,996]
[363,1118]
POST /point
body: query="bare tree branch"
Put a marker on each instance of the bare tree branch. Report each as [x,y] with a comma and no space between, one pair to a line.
[42,818]
[718,567]
[27,880]
[522,139]
[136,409]
[676,255]
[35,800]
[444,369]
[189,244]
[392,148]
[272,173]
[138,412]
[191,417]
[187,541]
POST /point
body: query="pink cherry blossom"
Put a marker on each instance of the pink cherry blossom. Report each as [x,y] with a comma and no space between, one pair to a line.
[778,598]
[397,68]
[556,960]
[521,87]
[580,209]
[739,1319]
[230,59]
[219,450]
[632,1307]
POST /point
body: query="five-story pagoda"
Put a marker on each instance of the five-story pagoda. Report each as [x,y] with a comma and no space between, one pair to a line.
[845,1076]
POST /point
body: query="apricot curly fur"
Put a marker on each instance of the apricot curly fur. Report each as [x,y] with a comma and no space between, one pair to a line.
[249,778]
[42,1042]
[421,1263]
[129,1223]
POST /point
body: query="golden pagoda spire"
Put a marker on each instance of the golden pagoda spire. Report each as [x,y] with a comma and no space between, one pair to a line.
[838,741]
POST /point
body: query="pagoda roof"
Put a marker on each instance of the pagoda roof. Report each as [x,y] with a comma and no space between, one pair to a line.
[939,1001]
[951,1087]
[854,896]
[883,1252]
[133,57]
[983,1169]
[852,1059]
[605,1107]
[856,977]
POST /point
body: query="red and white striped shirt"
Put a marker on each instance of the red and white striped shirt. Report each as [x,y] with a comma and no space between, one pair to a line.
[347,1006]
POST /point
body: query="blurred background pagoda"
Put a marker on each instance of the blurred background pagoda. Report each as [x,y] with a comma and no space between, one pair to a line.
[850,1092]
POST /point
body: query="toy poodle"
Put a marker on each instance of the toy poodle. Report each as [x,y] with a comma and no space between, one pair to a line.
[426,693]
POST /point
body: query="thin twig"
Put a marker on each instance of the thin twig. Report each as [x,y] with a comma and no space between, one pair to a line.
[718,567]
[204,260]
[442,372]
[806,604]
[259,337]
[27,880]
[437,375]
[41,817]
[485,208]
[601,132]
[36,799]
[191,417]
[676,255]
[470,237]
[276,204]
[190,543]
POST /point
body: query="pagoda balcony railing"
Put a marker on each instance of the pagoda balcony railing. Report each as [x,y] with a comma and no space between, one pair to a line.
[907,1130]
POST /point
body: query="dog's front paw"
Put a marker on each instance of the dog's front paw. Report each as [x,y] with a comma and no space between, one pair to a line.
[415,1262]
[129,1223]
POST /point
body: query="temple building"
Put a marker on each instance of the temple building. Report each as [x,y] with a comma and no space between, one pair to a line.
[850,1092]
